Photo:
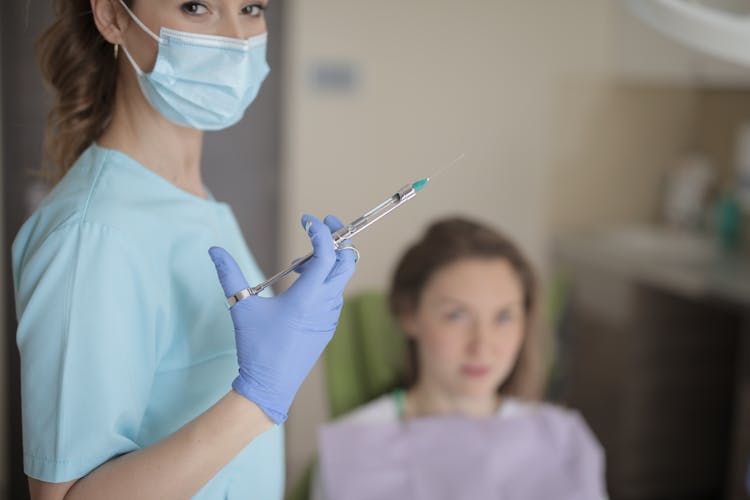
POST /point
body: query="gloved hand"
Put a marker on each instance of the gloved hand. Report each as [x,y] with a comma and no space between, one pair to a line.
[279,339]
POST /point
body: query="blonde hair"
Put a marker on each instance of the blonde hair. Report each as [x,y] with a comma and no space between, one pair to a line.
[80,67]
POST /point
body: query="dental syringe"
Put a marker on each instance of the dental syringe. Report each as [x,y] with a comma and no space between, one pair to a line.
[347,232]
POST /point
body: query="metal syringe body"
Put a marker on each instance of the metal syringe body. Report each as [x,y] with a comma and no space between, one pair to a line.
[403,195]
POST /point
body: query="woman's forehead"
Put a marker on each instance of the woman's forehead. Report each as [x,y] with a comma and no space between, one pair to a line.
[473,279]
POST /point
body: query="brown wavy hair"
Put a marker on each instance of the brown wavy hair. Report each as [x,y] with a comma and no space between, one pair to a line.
[448,241]
[79,66]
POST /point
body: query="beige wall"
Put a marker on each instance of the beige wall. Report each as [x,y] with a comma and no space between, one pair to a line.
[611,151]
[720,115]
[526,89]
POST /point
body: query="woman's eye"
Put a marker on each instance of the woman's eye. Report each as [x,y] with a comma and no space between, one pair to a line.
[254,10]
[454,315]
[194,8]
[505,317]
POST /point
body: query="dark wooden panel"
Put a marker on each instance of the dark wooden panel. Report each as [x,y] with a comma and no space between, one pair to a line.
[655,381]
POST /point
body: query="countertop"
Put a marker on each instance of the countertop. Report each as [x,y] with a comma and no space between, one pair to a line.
[684,263]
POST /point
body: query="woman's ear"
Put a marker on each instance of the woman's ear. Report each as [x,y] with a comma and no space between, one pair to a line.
[111,19]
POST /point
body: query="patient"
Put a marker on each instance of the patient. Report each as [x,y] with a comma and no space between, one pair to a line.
[464,296]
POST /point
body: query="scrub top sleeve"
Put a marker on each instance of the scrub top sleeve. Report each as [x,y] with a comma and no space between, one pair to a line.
[87,338]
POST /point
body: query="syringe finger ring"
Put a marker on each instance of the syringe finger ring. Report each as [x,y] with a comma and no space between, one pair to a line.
[349,246]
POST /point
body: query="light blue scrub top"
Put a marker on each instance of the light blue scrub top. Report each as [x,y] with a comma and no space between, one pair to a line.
[123,330]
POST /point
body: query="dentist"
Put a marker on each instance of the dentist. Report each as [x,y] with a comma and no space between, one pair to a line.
[136,380]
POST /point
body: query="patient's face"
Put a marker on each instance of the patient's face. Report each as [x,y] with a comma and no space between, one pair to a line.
[469,327]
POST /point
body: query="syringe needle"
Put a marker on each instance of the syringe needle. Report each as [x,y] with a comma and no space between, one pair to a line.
[446,167]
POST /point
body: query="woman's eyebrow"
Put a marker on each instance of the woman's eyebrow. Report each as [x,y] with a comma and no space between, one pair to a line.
[505,305]
[512,304]
[448,298]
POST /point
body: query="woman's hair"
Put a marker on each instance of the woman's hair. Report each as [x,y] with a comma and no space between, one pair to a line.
[446,242]
[79,65]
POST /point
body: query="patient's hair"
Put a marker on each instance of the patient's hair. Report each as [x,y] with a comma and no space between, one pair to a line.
[446,242]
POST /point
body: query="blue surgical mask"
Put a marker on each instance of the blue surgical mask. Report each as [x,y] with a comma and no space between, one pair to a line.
[202,81]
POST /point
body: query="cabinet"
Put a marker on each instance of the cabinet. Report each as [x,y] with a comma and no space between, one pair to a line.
[655,353]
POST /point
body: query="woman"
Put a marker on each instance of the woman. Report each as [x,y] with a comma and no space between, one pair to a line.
[130,379]
[464,296]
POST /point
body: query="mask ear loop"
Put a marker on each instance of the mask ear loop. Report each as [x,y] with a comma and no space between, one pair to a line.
[140,23]
[145,29]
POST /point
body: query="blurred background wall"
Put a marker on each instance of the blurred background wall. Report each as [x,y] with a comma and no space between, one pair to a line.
[528,92]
